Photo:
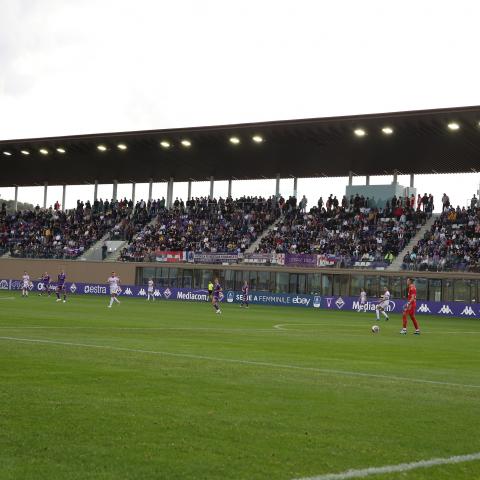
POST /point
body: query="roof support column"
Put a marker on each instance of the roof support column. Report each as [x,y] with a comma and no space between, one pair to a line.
[277,186]
[133,193]
[189,193]
[114,191]
[212,182]
[45,190]
[150,188]
[412,180]
[295,186]
[64,196]
[229,195]
[15,204]
[395,177]
[350,178]
[95,191]
[367,180]
[170,192]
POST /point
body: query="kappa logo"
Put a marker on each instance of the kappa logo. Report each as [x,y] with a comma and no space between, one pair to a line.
[128,291]
[468,310]
[73,288]
[423,308]
[329,301]
[317,301]
[142,292]
[230,297]
[446,310]
[157,293]
[167,293]
[40,286]
[4,285]
[339,303]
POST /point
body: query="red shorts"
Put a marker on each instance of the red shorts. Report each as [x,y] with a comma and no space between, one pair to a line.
[411,309]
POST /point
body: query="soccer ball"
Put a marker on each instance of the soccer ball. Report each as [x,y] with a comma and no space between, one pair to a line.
[375,329]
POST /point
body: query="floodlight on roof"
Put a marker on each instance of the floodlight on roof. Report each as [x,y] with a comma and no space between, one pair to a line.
[24,152]
[121,146]
[234,140]
[257,138]
[165,144]
[359,132]
[60,150]
[43,151]
[387,130]
[453,126]
[7,153]
[186,143]
[102,148]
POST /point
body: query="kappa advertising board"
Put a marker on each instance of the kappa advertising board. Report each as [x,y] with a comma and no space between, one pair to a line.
[448,309]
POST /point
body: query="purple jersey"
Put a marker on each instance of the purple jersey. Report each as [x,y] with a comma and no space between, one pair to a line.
[245,290]
[61,279]
[216,290]
[46,279]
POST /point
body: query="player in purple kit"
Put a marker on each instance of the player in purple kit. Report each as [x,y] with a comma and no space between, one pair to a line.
[244,295]
[61,287]
[217,295]
[45,279]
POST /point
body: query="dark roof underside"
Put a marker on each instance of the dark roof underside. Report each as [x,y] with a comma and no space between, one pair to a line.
[420,143]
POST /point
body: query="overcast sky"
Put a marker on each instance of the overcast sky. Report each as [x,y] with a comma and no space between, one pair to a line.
[72,67]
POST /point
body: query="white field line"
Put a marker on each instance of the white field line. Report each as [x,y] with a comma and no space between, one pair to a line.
[7,298]
[401,467]
[281,326]
[79,327]
[324,371]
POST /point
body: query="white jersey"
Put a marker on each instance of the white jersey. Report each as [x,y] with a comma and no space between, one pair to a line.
[384,302]
[363,296]
[26,281]
[150,286]
[113,282]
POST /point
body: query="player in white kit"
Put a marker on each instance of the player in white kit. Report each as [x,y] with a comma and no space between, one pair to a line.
[362,301]
[25,284]
[383,304]
[114,284]
[151,285]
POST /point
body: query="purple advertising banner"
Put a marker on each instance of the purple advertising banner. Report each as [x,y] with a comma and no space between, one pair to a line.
[337,303]
[300,260]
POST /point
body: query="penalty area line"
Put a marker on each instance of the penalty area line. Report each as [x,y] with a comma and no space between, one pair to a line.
[258,363]
[400,468]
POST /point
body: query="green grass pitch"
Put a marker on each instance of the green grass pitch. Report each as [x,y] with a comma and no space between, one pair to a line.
[169,390]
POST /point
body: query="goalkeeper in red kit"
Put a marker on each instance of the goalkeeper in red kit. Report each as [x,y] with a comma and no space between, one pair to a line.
[410,307]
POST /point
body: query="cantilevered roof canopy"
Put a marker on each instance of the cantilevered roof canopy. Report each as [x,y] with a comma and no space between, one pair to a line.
[428,141]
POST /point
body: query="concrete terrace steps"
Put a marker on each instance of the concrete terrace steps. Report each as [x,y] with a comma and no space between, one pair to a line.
[254,245]
[396,265]
[120,245]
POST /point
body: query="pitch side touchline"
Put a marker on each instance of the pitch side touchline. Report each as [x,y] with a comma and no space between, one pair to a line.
[402,467]
[325,371]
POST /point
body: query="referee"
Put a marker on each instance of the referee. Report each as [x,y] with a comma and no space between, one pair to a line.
[210,291]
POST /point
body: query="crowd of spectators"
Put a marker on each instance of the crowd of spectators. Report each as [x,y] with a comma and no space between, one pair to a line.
[53,233]
[203,225]
[453,242]
[349,229]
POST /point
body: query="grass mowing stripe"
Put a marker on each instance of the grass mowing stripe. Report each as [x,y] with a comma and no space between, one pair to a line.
[324,371]
[402,467]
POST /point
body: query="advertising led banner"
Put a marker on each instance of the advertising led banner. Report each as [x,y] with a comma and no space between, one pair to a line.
[338,303]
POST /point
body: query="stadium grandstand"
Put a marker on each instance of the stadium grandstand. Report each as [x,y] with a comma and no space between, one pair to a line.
[277,243]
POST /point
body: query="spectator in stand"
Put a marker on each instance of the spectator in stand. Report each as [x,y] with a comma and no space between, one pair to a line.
[445,202]
[473,202]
